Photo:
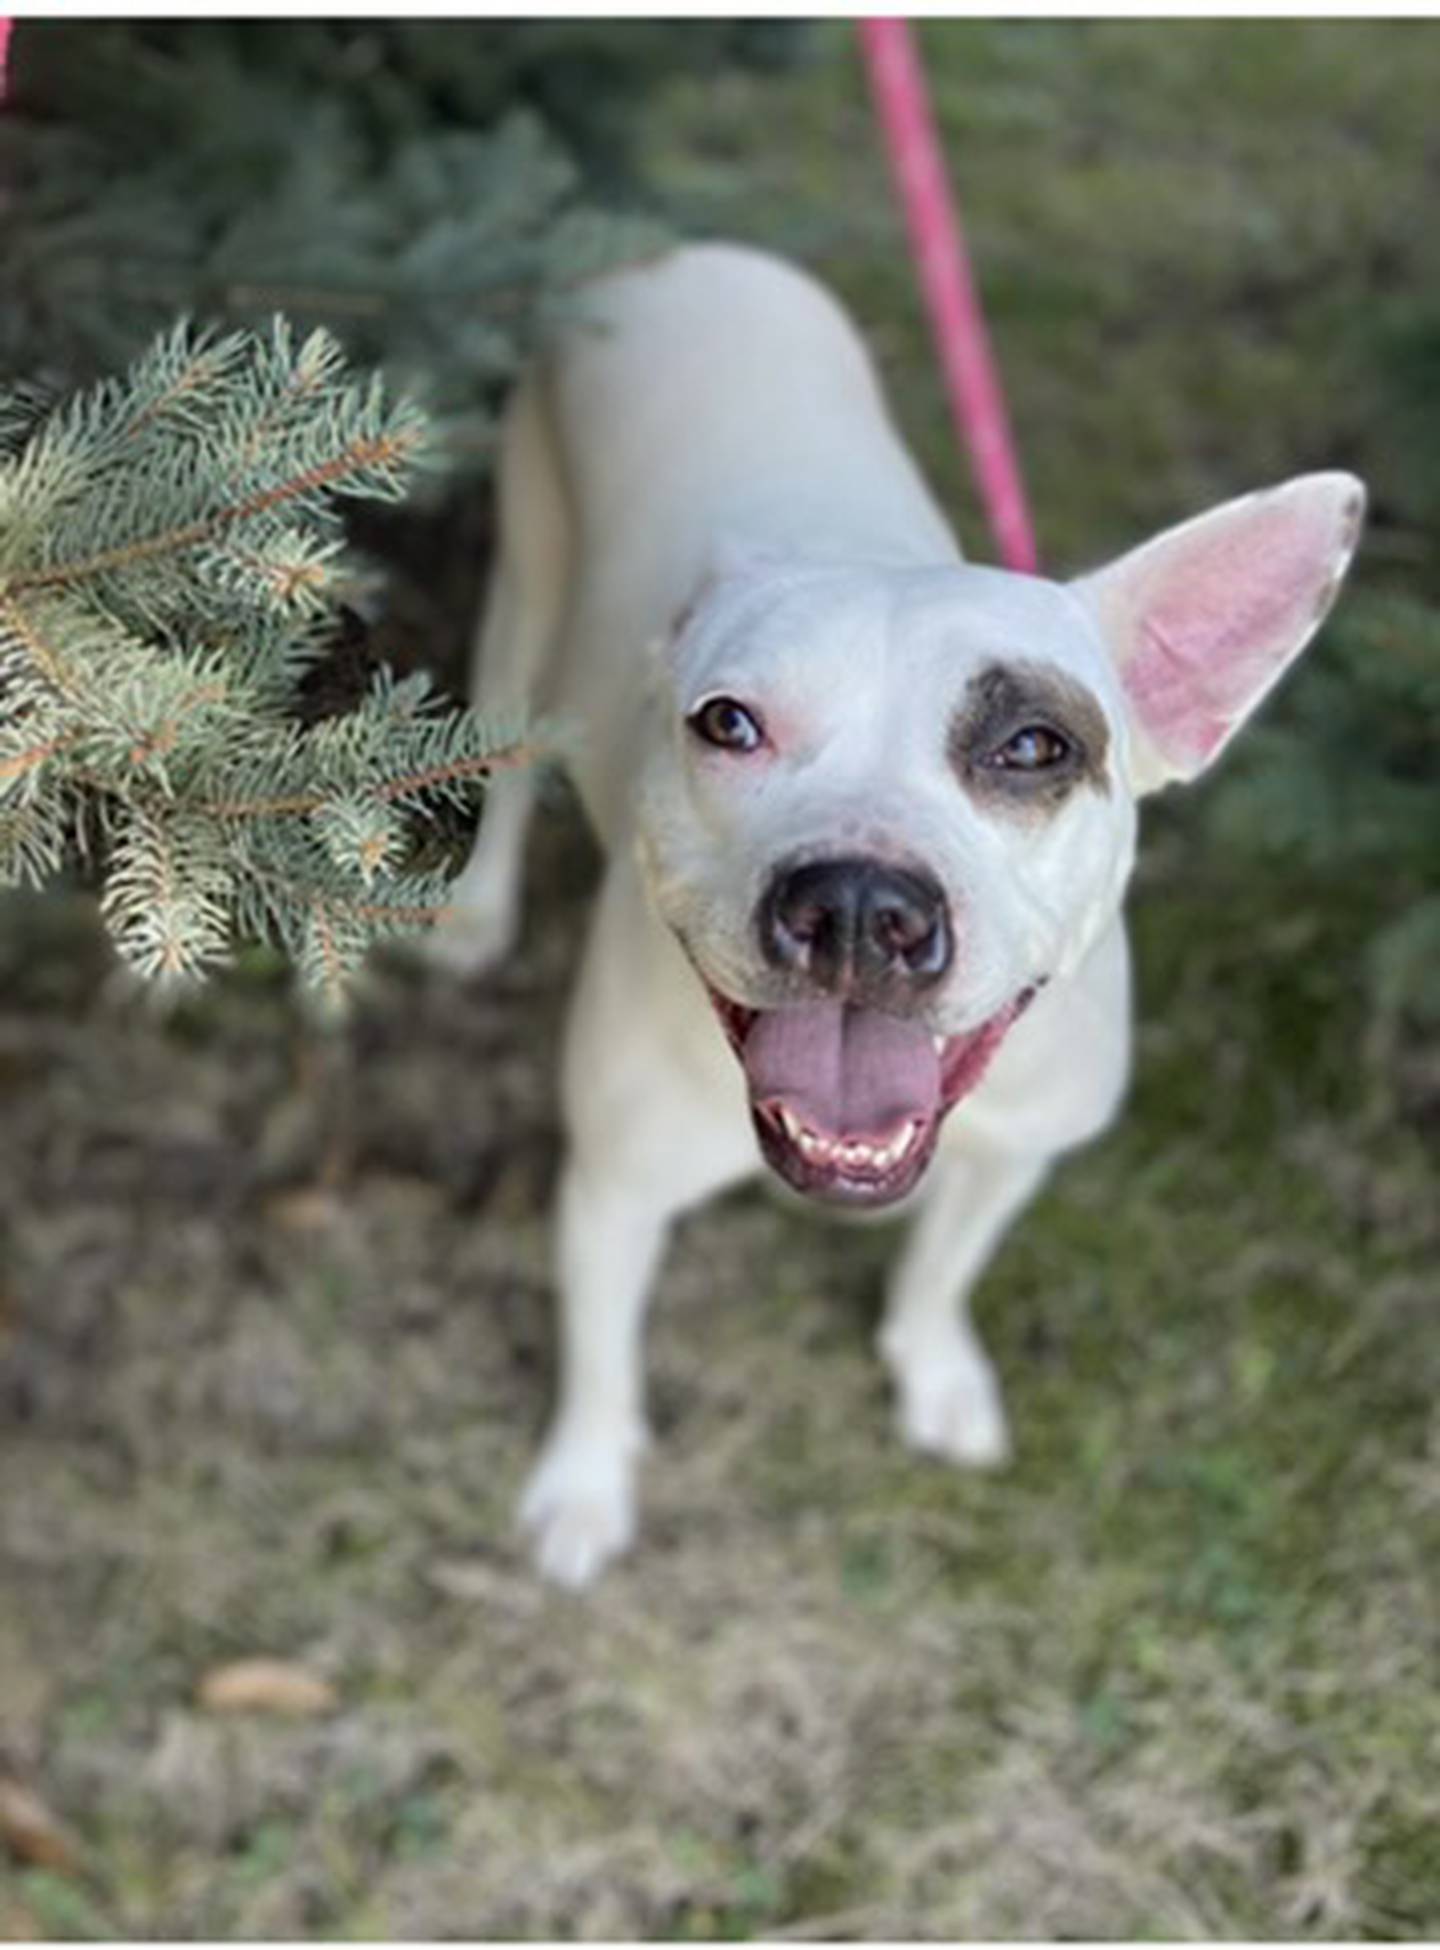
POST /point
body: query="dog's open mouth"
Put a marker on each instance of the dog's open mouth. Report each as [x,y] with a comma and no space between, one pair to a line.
[848,1101]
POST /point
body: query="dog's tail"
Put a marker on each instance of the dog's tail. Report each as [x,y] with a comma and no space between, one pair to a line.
[530,583]
[520,626]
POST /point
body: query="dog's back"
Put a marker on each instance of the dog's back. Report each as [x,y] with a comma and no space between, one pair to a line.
[715,368]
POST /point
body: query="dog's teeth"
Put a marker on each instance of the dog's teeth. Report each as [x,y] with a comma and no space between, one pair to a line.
[849,1154]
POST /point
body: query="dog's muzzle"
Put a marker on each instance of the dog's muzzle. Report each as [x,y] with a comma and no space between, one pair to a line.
[848,1085]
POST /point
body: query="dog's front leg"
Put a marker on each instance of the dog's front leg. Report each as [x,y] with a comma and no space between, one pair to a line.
[579,1505]
[947,1397]
[612,1223]
[656,1122]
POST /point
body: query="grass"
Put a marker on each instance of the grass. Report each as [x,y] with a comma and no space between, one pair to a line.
[1172,1674]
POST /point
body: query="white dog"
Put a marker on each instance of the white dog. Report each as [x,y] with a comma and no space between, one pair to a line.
[869,814]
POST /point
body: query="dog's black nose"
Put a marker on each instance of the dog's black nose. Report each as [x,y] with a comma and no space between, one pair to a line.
[857,926]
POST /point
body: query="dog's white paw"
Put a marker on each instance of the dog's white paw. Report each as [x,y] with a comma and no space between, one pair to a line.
[578,1510]
[948,1404]
[470,941]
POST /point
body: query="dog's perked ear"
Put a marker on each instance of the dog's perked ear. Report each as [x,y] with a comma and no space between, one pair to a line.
[1203,620]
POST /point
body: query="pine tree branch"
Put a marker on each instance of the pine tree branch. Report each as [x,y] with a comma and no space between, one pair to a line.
[47,660]
[372,913]
[161,741]
[402,917]
[334,982]
[170,549]
[293,582]
[381,450]
[295,804]
[318,359]
[19,763]
[507,759]
[205,363]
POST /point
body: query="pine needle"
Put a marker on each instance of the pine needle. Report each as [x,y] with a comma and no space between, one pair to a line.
[169,551]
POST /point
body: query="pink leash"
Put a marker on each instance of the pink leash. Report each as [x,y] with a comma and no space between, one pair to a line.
[5,25]
[977,399]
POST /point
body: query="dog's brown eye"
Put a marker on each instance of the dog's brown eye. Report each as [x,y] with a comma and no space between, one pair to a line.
[1034,749]
[727,724]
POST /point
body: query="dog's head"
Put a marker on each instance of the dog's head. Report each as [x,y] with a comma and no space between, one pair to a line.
[887,805]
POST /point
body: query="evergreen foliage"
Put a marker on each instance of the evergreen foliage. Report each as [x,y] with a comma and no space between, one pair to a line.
[1346,779]
[425,188]
[189,169]
[1343,775]
[170,555]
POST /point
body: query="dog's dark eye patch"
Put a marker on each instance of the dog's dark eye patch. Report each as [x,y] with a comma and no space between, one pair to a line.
[1026,736]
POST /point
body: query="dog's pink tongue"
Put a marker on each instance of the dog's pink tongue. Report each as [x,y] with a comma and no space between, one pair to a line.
[852,1073]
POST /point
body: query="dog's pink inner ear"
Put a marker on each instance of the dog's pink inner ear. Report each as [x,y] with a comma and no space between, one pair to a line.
[1204,619]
